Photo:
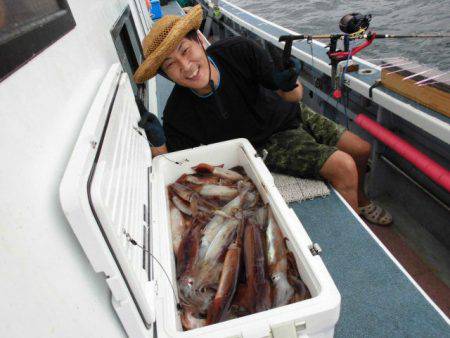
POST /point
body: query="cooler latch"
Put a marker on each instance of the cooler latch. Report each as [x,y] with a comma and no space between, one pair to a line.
[287,329]
[315,249]
[263,154]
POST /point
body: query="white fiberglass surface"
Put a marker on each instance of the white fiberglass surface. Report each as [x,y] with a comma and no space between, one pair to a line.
[231,154]
[119,192]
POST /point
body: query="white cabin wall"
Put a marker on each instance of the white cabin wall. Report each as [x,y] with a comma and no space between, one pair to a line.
[47,285]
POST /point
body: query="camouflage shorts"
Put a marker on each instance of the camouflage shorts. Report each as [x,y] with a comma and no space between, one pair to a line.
[303,151]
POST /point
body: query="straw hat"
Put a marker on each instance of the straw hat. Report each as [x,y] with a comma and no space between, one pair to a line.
[163,38]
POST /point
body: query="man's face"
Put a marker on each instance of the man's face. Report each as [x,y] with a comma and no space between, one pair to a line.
[187,65]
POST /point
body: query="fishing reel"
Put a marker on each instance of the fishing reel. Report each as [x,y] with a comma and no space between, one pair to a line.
[354,23]
[354,26]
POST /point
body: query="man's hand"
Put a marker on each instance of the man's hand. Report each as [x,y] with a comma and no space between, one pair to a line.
[286,80]
[150,123]
[155,132]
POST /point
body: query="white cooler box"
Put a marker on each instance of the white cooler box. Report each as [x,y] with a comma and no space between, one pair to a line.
[112,192]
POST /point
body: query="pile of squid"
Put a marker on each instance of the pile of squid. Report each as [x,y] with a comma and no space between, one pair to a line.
[231,256]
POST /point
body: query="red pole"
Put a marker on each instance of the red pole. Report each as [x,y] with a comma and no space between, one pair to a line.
[433,170]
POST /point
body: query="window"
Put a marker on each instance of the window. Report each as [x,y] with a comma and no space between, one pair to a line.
[29,26]
[129,50]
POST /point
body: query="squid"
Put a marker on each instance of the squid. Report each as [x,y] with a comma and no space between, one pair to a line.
[277,262]
[258,286]
[228,280]
[218,171]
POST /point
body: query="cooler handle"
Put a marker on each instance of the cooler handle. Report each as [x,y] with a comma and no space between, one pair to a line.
[288,329]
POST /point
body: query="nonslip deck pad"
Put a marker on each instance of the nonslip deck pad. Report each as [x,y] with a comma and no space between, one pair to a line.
[295,189]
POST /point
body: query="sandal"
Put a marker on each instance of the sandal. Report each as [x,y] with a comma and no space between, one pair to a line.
[375,214]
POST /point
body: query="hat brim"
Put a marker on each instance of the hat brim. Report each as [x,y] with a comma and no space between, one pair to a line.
[149,67]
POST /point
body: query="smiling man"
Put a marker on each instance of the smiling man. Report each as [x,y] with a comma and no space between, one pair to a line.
[231,89]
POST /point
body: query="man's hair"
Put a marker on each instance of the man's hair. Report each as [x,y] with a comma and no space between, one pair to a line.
[192,35]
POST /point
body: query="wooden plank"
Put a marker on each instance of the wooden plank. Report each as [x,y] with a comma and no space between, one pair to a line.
[434,96]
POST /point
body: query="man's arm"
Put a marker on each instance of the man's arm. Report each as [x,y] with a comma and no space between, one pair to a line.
[158,150]
[261,67]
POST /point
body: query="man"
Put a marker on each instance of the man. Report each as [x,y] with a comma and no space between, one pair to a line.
[233,90]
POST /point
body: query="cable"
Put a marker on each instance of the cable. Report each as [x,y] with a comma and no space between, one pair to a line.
[163,155]
[310,42]
[168,159]
[342,83]
[132,241]
[313,70]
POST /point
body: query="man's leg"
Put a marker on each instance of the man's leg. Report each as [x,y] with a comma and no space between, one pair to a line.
[339,168]
[359,150]
[337,155]
[296,152]
[341,171]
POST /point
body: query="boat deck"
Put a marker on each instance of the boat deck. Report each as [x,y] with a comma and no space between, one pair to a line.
[379,298]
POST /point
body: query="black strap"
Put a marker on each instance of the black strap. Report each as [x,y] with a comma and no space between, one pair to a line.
[376,84]
[218,102]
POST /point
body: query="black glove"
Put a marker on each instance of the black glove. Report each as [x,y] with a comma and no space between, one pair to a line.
[150,123]
[286,79]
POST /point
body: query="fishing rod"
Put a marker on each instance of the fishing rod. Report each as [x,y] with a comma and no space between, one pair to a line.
[354,27]
[288,39]
[363,36]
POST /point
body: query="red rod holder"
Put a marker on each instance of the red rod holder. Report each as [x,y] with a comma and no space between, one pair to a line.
[433,170]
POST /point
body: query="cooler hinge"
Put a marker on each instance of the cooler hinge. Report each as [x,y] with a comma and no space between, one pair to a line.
[315,249]
[287,329]
[144,213]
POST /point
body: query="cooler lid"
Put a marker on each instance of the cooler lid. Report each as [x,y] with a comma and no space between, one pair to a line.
[105,196]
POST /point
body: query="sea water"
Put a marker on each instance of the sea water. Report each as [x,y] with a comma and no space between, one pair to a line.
[388,17]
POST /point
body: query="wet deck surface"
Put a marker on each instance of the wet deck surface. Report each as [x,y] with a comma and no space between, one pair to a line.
[377,298]
[424,257]
[422,273]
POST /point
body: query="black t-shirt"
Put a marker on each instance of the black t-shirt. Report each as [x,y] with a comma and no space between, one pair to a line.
[246,93]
